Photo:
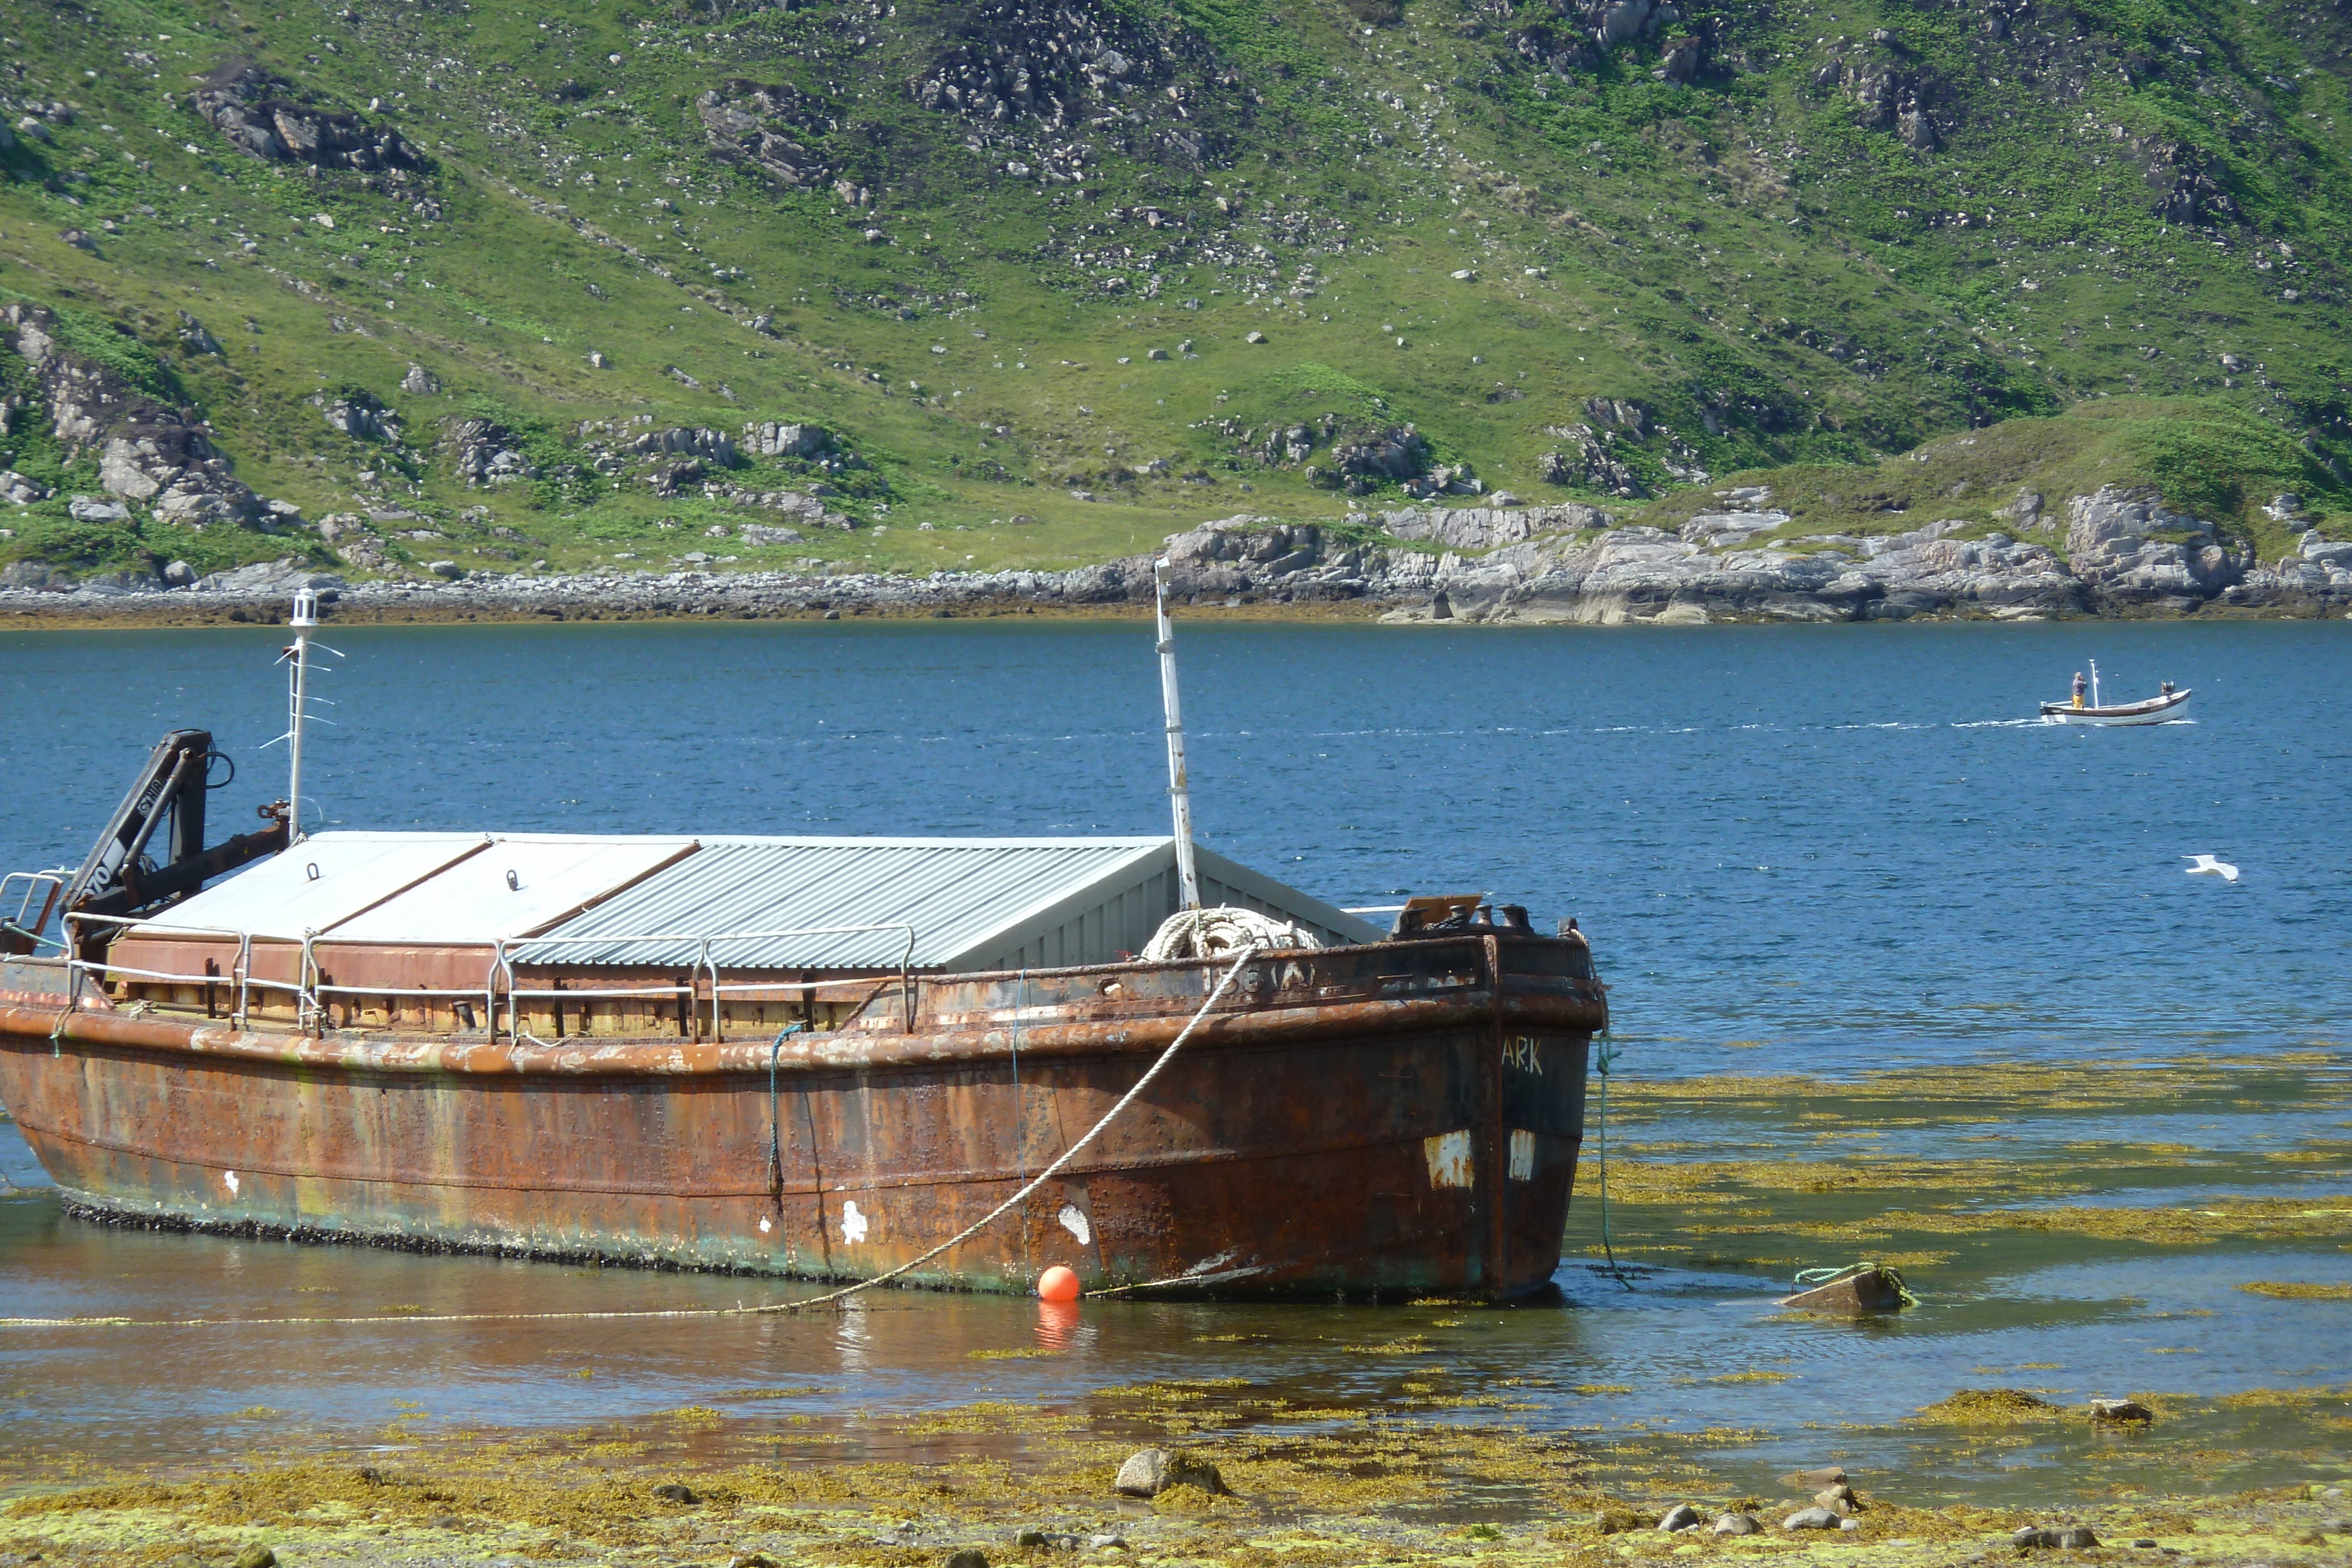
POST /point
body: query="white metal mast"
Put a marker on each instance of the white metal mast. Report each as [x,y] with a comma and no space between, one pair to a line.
[306,616]
[1179,789]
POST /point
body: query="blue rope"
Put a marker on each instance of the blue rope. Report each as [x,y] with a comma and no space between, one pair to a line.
[776,1120]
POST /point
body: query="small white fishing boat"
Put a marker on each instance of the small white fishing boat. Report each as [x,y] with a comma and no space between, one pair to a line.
[2165,708]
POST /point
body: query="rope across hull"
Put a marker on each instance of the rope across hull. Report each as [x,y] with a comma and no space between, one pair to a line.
[1403,1119]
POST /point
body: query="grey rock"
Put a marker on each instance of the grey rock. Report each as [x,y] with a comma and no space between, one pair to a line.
[1151,1471]
[2077,1536]
[18,490]
[1736,1524]
[970,1557]
[445,568]
[1811,1518]
[179,574]
[257,111]
[1680,1517]
[1105,1541]
[257,1556]
[420,382]
[1050,1540]
[86,509]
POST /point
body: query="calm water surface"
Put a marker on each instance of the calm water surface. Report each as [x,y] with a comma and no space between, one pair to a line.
[1809,850]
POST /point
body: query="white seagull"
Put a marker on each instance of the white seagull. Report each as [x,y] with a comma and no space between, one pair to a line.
[2206,865]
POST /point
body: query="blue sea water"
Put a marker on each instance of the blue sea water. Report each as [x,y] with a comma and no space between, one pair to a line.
[1852,844]
[1797,852]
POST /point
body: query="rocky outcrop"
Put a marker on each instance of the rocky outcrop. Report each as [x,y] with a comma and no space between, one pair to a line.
[149,451]
[360,415]
[1583,459]
[1489,527]
[485,453]
[254,110]
[770,439]
[1532,566]
[2126,547]
[768,126]
[1024,62]
[1889,94]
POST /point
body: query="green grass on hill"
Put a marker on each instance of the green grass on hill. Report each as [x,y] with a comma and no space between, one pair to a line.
[1776,282]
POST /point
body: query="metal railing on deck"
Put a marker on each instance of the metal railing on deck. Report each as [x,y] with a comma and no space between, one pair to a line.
[310,985]
[34,880]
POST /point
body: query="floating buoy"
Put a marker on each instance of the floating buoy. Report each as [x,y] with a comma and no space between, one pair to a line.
[1058,1284]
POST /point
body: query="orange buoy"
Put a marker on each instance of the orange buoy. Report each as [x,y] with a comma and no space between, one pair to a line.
[1058,1284]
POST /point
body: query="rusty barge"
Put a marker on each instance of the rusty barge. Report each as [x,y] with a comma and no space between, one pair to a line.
[815,1058]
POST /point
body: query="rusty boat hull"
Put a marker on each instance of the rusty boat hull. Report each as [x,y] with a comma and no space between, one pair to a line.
[1396,1119]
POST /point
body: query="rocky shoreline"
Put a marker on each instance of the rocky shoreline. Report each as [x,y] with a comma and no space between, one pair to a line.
[2114,553]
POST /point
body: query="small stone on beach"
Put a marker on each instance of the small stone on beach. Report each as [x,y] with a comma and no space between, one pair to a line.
[1738,1524]
[1680,1517]
[671,1491]
[1816,1518]
[257,1556]
[970,1557]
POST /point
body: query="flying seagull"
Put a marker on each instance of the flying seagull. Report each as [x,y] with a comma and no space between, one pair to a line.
[2206,865]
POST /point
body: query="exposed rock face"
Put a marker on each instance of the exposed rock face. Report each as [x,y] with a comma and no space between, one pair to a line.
[1888,96]
[768,126]
[487,454]
[2108,539]
[770,439]
[249,106]
[1023,61]
[1486,527]
[1397,452]
[359,417]
[148,453]
[1584,459]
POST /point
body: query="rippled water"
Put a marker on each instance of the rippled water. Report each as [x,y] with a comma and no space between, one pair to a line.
[1798,852]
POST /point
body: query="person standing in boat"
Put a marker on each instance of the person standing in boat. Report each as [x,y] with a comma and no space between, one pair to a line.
[2081,686]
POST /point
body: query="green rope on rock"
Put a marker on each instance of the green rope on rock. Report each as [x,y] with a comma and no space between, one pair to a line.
[1818,1277]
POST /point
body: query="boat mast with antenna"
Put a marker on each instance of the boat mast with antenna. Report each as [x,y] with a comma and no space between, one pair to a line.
[298,695]
[1180,789]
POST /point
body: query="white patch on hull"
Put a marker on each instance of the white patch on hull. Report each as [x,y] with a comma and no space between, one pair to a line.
[1450,1159]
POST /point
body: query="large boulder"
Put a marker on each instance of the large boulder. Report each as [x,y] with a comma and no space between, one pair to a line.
[254,110]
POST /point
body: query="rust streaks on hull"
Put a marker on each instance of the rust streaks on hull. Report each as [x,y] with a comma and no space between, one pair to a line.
[1283,1151]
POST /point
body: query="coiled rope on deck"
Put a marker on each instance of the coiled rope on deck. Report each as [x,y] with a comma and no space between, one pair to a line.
[768,1309]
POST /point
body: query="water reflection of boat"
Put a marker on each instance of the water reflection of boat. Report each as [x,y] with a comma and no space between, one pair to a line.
[812,1057]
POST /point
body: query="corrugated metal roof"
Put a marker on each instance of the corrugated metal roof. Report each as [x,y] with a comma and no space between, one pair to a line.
[521,883]
[954,892]
[325,878]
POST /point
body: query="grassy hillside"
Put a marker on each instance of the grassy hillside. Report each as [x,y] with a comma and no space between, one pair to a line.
[1804,232]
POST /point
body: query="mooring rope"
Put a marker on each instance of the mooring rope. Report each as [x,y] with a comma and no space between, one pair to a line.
[768,1309]
[775,1118]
